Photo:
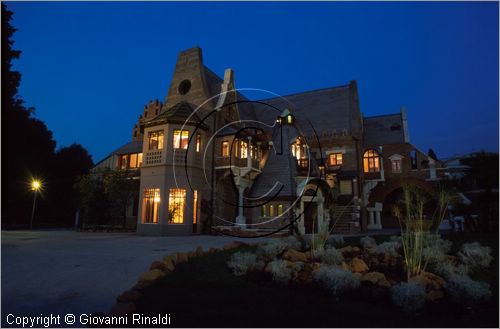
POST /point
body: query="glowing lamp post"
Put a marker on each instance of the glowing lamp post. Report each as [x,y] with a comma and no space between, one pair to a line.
[36,185]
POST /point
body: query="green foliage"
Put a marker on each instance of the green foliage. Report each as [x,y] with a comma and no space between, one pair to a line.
[462,289]
[332,256]
[121,188]
[280,272]
[336,280]
[242,262]
[415,229]
[475,256]
[271,248]
[409,296]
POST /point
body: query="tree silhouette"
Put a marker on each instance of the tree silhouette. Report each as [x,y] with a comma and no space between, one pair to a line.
[28,147]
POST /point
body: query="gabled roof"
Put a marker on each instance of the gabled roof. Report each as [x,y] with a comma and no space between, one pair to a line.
[130,147]
[383,129]
[315,111]
[179,113]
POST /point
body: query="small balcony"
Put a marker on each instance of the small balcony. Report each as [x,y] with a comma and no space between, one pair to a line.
[226,162]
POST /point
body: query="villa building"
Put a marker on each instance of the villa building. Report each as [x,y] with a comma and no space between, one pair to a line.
[208,157]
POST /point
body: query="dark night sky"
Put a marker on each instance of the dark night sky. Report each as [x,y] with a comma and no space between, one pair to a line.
[89,68]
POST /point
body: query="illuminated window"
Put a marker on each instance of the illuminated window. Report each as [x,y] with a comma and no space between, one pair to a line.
[150,205]
[198,143]
[225,149]
[195,206]
[176,202]
[271,210]
[289,119]
[139,159]
[124,161]
[371,161]
[280,209]
[236,148]
[155,140]
[133,160]
[244,149]
[335,159]
[181,139]
[396,165]
[345,187]
[298,149]
[263,211]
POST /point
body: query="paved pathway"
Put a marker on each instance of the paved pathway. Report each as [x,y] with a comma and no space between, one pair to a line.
[63,272]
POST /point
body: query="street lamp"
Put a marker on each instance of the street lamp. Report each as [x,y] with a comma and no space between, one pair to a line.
[36,185]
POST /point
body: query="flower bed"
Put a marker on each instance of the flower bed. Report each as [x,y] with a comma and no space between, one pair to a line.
[377,269]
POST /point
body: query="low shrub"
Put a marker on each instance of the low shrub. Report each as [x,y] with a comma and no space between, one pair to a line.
[242,262]
[446,268]
[280,272]
[475,256]
[292,242]
[390,248]
[336,280]
[462,289]
[368,242]
[332,256]
[409,296]
[336,241]
[271,248]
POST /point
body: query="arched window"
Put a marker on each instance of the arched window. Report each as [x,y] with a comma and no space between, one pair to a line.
[371,161]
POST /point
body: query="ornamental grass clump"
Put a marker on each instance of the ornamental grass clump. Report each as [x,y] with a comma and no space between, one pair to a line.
[415,228]
[409,296]
[242,262]
[336,280]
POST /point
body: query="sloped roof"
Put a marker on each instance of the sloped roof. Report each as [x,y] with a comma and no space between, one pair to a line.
[326,109]
[130,147]
[383,129]
[178,113]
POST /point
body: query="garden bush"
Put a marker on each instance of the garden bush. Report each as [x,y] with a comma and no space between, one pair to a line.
[242,262]
[336,241]
[336,280]
[475,256]
[271,248]
[332,256]
[391,248]
[368,242]
[292,242]
[462,289]
[409,296]
[280,272]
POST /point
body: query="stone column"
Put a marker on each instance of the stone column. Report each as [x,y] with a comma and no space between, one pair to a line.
[249,152]
[370,219]
[378,222]
[240,219]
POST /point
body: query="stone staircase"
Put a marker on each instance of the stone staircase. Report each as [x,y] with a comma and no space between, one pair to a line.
[346,220]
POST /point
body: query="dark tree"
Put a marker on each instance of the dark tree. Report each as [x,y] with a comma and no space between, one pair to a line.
[431,154]
[28,150]
[122,189]
[69,164]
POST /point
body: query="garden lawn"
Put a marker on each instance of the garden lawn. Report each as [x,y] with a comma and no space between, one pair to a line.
[204,293]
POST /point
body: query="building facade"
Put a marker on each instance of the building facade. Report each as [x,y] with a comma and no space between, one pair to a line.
[210,159]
